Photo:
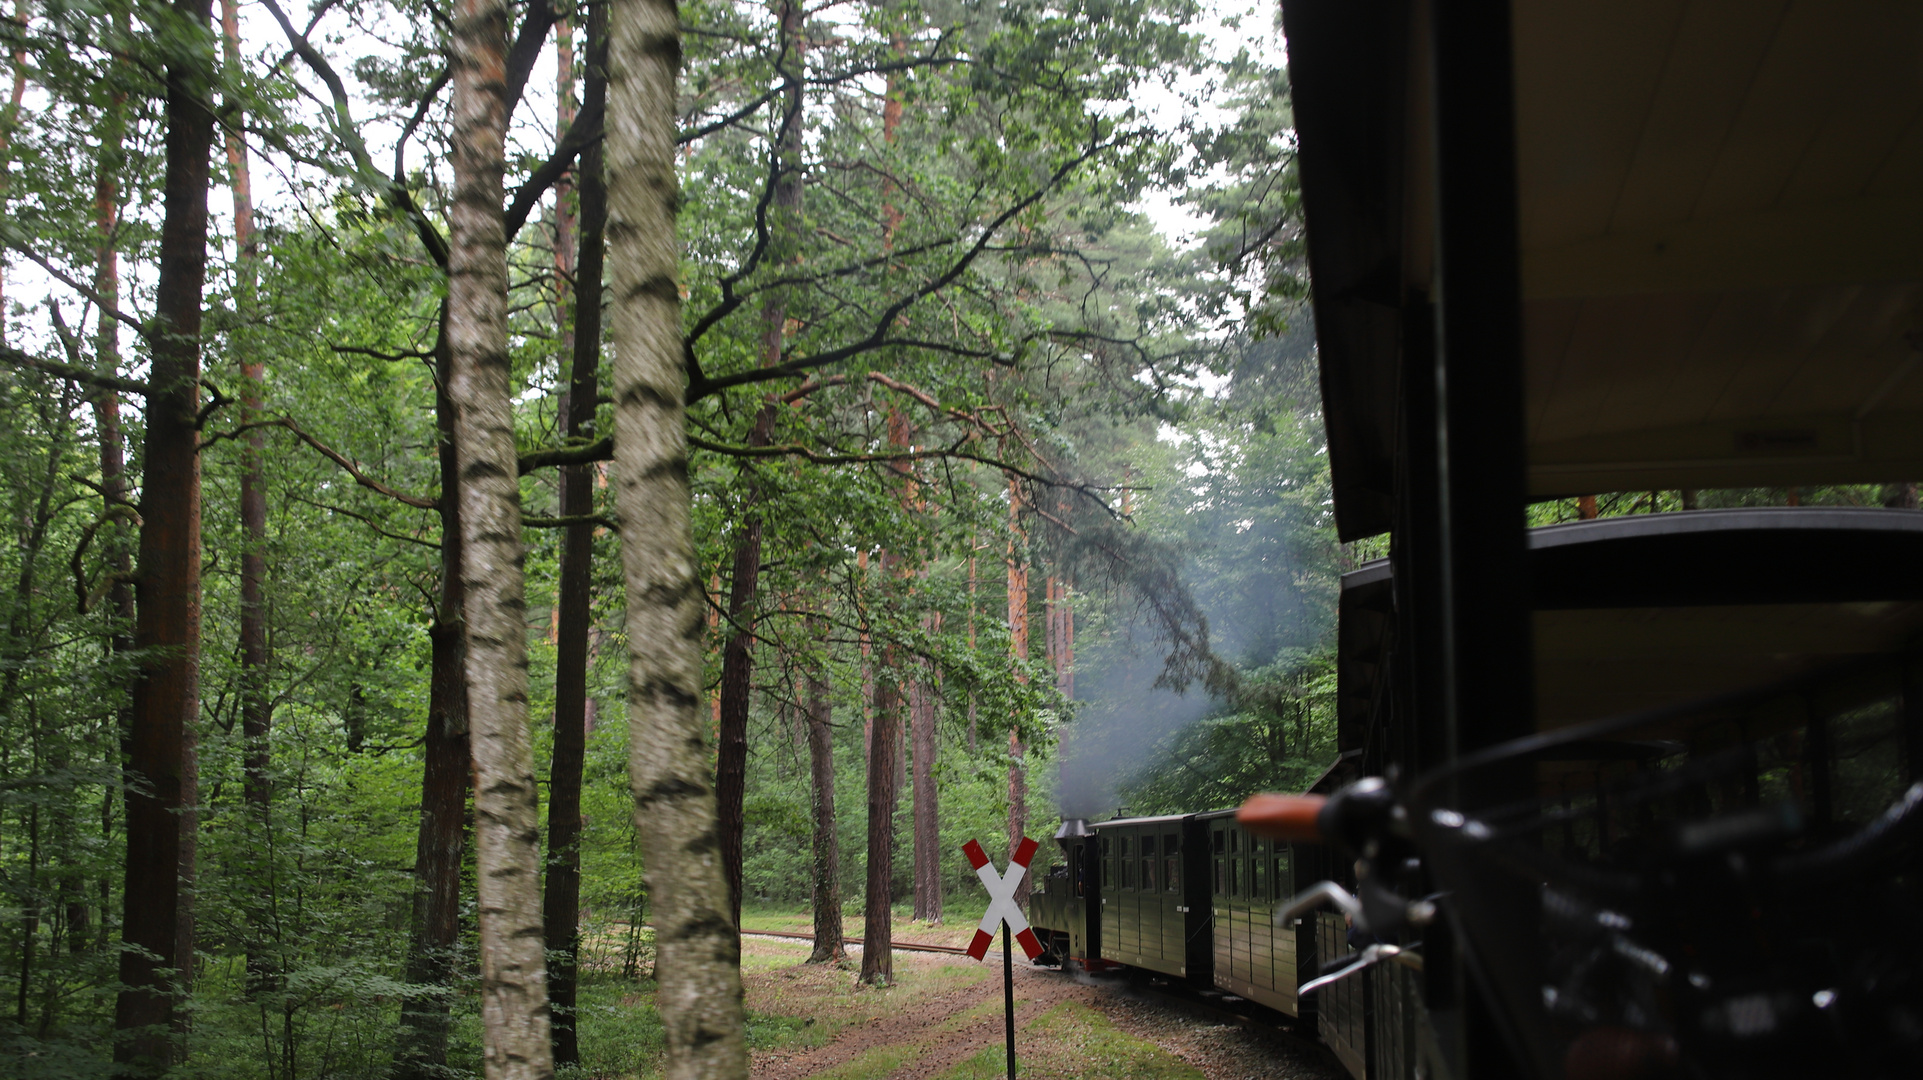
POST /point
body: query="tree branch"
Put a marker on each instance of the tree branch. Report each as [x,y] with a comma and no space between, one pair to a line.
[602,450]
[417,501]
[581,134]
[348,133]
[86,377]
[700,387]
[526,49]
[85,291]
[530,521]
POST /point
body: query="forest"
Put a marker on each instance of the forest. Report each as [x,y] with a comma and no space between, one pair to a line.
[495,491]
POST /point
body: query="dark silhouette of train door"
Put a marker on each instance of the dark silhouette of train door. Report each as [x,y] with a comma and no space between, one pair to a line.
[1081,901]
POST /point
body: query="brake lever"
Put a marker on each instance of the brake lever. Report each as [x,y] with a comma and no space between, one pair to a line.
[1367,958]
[1308,899]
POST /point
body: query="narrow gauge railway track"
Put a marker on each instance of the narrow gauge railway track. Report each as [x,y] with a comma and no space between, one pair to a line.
[1204,1002]
[1209,1004]
[907,946]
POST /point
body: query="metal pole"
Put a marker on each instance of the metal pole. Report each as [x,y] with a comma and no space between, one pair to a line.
[1008,995]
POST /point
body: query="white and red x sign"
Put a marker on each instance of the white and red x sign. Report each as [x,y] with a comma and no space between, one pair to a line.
[1001,899]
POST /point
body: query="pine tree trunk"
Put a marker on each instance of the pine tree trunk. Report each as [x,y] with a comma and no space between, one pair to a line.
[561,898]
[737,657]
[737,674]
[256,715]
[440,847]
[1018,648]
[158,912]
[973,735]
[113,451]
[698,955]
[924,712]
[514,999]
[827,844]
[884,743]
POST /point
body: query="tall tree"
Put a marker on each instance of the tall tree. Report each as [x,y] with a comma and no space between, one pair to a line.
[256,705]
[514,1001]
[884,751]
[698,953]
[9,120]
[157,923]
[1018,649]
[108,431]
[737,657]
[924,716]
[825,890]
[561,900]
[441,839]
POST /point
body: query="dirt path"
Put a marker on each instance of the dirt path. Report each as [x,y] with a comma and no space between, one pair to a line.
[945,1011]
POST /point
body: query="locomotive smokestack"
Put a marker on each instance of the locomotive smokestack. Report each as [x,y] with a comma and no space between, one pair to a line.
[1072,827]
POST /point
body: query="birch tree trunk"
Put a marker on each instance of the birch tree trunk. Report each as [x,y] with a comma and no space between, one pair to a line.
[698,955]
[158,911]
[514,999]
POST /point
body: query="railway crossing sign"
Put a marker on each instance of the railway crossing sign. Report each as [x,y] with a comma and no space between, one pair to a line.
[1002,907]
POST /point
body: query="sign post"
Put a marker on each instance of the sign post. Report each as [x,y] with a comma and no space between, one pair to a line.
[1005,912]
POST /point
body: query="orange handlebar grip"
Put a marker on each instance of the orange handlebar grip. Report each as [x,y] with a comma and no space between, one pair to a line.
[1283,817]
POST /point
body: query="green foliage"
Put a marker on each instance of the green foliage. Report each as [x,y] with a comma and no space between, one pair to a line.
[972,318]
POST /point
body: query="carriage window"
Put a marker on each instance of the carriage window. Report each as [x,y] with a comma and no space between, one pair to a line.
[1219,841]
[1105,847]
[1108,873]
[1128,873]
[1235,841]
[1221,877]
[1171,874]
[1235,877]
[1282,878]
[1148,845]
[1148,875]
[1259,878]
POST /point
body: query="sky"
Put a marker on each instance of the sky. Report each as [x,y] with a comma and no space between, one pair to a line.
[1226,26]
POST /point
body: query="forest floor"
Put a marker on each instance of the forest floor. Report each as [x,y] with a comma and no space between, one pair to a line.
[943,1020]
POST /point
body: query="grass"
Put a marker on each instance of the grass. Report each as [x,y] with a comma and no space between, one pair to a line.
[621,1036]
[872,1064]
[1074,1042]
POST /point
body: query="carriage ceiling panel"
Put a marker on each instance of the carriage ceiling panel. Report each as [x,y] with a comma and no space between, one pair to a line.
[1722,237]
[1722,241]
